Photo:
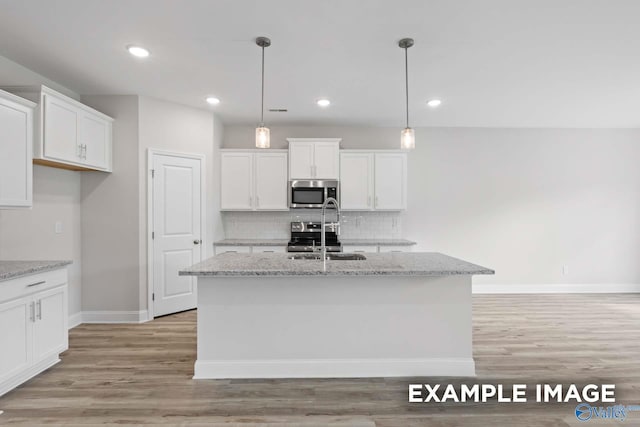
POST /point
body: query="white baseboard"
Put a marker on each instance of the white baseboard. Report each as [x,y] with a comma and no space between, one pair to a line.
[557,288]
[115,316]
[75,320]
[334,368]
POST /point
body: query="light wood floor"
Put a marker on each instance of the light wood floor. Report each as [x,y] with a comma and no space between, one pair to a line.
[141,374]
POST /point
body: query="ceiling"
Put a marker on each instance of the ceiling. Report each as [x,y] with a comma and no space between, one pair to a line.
[494,63]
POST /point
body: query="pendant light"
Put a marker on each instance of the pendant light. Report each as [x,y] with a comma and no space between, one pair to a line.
[263,138]
[407,136]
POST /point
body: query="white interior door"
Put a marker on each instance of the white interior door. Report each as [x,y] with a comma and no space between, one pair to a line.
[177,234]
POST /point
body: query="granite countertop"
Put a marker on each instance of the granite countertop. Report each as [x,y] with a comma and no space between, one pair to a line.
[13,269]
[386,264]
[283,242]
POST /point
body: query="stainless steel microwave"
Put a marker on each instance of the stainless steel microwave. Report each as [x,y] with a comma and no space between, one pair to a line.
[308,194]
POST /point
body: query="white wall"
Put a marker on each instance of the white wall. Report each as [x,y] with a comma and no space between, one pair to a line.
[110,215]
[176,128]
[29,234]
[525,202]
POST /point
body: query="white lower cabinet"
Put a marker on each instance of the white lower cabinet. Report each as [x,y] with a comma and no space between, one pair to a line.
[249,249]
[360,249]
[375,249]
[33,326]
[269,249]
[395,249]
[232,249]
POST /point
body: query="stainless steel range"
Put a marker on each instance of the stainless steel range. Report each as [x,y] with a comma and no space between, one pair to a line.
[306,237]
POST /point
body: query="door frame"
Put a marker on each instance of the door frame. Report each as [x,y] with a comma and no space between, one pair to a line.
[151,152]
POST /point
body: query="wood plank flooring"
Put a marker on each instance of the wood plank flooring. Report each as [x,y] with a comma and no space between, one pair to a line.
[141,374]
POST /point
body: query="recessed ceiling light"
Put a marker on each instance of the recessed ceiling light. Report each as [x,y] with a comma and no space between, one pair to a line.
[138,51]
[213,100]
[434,103]
[323,102]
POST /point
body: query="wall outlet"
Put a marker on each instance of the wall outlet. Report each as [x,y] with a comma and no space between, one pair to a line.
[58,227]
[565,270]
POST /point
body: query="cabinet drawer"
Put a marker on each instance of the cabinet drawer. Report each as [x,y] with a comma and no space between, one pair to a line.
[236,249]
[269,249]
[360,249]
[27,285]
[395,248]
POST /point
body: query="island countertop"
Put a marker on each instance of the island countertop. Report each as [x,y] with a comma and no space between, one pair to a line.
[376,264]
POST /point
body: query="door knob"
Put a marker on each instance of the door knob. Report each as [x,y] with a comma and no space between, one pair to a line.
[197,242]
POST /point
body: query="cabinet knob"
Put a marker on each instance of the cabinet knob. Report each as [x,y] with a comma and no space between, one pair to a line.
[197,242]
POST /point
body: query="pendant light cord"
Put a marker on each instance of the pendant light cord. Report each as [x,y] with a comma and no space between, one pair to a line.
[406,80]
[262,105]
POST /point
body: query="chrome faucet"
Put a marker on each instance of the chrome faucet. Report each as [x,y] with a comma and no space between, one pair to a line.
[323,237]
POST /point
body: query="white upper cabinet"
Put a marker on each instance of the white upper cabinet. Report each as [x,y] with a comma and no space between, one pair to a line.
[236,192]
[373,180]
[16,144]
[95,140]
[271,181]
[390,181]
[314,158]
[60,129]
[301,160]
[69,134]
[356,181]
[254,180]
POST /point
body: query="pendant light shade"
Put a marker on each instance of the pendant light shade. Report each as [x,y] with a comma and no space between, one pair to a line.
[263,135]
[408,135]
[408,139]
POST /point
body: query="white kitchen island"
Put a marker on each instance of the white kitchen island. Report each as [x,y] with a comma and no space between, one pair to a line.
[394,314]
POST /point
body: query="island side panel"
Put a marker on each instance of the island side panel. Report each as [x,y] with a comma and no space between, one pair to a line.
[319,326]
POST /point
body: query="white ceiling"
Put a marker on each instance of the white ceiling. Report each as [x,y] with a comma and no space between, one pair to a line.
[511,63]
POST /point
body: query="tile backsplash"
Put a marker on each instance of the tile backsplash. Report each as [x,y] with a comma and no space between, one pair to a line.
[276,225]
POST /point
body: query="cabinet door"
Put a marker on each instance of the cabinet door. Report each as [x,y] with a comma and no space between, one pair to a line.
[390,181]
[236,192]
[16,144]
[271,181]
[15,336]
[301,160]
[50,335]
[61,130]
[326,160]
[95,134]
[356,181]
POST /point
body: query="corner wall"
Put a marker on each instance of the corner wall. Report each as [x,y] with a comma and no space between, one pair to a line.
[110,220]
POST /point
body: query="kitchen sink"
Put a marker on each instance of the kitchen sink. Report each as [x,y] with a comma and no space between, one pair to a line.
[332,256]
